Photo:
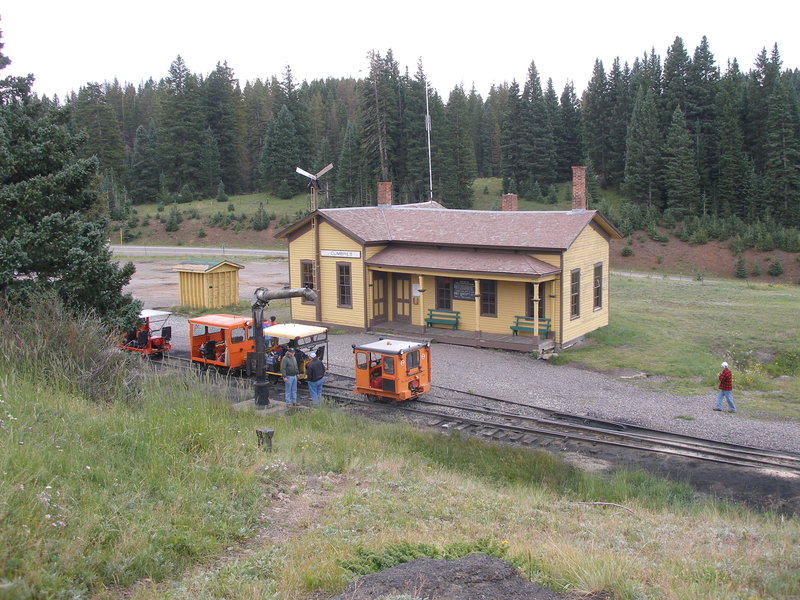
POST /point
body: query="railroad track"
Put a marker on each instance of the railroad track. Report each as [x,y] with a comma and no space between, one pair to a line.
[517,423]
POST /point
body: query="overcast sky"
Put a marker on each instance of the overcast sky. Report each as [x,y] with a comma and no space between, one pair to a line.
[67,44]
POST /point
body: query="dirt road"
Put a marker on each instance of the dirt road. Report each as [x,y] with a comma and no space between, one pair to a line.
[156,284]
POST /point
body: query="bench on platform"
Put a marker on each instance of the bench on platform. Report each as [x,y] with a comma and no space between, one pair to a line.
[529,324]
[441,316]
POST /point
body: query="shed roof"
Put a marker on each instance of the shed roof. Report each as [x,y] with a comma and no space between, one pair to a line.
[204,266]
[468,261]
[431,224]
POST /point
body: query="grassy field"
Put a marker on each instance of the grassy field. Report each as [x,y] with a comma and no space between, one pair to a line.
[122,483]
[683,329]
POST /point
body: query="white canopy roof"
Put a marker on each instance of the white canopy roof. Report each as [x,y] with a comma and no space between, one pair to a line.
[148,313]
[293,331]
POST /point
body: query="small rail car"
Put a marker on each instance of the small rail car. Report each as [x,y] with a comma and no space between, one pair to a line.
[151,336]
[227,342]
[221,341]
[307,341]
[392,369]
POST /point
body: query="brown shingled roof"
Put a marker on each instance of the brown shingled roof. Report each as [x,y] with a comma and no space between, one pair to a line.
[468,261]
[429,224]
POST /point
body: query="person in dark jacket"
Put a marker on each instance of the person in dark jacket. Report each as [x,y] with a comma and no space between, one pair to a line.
[289,372]
[315,371]
[725,388]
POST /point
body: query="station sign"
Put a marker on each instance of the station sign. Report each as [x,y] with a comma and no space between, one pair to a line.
[341,253]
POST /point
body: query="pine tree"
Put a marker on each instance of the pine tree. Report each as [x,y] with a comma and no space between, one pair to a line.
[350,185]
[221,195]
[143,175]
[212,170]
[674,77]
[459,169]
[381,116]
[515,149]
[257,113]
[620,109]
[741,269]
[225,120]
[701,91]
[732,195]
[567,133]
[782,157]
[596,126]
[52,237]
[97,120]
[280,156]
[642,163]
[681,182]
[181,129]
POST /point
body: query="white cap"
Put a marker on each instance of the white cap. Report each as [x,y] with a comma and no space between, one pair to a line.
[724,365]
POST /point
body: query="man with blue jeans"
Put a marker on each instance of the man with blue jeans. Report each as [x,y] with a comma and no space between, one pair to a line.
[725,388]
[315,371]
[289,372]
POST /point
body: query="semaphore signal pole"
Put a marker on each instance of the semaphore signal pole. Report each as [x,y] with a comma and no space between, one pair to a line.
[428,130]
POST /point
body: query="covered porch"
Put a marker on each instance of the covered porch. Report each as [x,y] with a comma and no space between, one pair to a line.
[459,337]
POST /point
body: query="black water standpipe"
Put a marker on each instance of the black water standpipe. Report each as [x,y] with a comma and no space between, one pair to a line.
[263,297]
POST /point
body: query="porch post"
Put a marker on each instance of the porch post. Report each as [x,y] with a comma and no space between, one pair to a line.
[420,278]
[477,307]
[536,287]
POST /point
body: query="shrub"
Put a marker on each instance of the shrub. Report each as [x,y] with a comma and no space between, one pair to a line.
[185,194]
[756,270]
[775,268]
[741,269]
[173,220]
[221,195]
[627,251]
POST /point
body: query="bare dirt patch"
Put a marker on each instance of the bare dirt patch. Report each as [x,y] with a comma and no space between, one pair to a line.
[156,284]
[711,260]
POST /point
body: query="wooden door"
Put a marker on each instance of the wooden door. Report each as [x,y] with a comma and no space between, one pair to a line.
[402,298]
[379,297]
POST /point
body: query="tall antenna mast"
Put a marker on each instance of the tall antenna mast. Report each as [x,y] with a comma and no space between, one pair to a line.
[428,130]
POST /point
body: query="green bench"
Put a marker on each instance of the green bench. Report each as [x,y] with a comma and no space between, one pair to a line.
[441,316]
[529,324]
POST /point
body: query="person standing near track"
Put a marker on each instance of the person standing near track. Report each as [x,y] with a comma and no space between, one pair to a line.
[289,372]
[725,388]
[315,371]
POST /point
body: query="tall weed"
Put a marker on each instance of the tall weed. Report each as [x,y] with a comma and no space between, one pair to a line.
[60,348]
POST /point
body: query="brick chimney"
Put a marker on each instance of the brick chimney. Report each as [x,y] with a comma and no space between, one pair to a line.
[510,202]
[384,193]
[578,188]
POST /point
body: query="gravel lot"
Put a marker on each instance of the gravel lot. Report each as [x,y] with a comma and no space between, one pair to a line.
[513,375]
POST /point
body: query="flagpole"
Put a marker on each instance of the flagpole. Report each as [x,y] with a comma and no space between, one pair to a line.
[428,130]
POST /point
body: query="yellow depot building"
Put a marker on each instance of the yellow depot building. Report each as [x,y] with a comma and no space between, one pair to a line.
[499,279]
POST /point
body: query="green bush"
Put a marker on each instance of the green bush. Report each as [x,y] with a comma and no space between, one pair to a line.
[627,251]
[775,268]
[741,269]
[173,220]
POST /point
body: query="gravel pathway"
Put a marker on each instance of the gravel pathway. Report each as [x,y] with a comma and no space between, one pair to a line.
[516,376]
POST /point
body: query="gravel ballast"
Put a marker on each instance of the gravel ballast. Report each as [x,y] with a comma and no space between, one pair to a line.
[516,376]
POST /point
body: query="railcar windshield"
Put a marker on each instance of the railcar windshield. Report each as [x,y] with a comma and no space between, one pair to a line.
[199,330]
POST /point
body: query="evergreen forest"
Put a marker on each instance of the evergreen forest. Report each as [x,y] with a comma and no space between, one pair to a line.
[679,136]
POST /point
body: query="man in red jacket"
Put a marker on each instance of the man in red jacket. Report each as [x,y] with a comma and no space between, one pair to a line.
[725,388]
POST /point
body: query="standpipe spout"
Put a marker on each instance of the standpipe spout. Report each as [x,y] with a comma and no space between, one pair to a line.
[263,295]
